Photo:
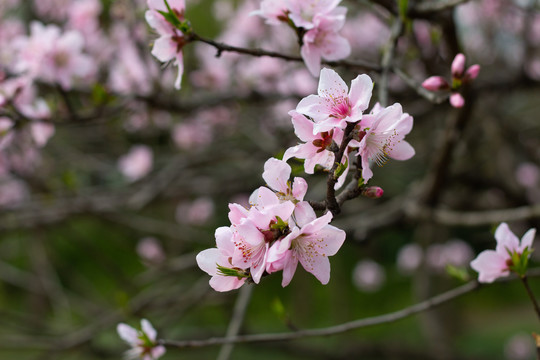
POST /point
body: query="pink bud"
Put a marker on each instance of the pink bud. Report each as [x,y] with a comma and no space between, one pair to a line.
[435,83]
[458,66]
[373,192]
[472,72]
[456,100]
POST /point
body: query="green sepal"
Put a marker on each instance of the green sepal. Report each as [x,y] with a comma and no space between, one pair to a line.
[341,169]
[225,271]
[279,225]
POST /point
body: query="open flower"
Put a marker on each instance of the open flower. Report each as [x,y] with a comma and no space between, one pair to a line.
[171,40]
[143,342]
[335,105]
[383,137]
[311,242]
[493,264]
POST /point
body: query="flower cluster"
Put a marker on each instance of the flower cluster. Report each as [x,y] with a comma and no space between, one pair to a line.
[143,342]
[460,77]
[320,121]
[317,23]
[280,229]
[165,17]
[52,56]
[277,232]
[510,255]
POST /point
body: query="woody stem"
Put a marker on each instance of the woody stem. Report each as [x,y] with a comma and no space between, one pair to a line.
[525,282]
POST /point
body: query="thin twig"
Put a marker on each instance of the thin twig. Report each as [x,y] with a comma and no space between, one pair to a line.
[525,282]
[222,47]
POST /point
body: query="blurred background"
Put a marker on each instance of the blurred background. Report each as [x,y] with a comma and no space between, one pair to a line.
[113,181]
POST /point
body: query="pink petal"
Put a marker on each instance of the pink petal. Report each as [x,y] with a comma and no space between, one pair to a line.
[303,127]
[335,47]
[312,58]
[315,107]
[276,174]
[401,151]
[225,283]
[289,269]
[506,240]
[360,94]
[318,265]
[164,49]
[527,240]
[207,260]
[148,329]
[127,333]
[299,188]
[331,85]
[304,213]
[179,62]
[490,265]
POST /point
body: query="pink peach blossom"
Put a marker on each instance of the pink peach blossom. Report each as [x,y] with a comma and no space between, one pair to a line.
[323,41]
[315,149]
[335,105]
[143,342]
[311,242]
[384,138]
[171,40]
[493,264]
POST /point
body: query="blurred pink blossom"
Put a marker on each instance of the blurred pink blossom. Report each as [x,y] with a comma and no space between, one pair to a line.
[409,258]
[368,276]
[137,163]
[528,175]
[150,249]
[197,212]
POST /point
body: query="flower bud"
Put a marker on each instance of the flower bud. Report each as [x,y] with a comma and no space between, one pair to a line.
[373,192]
[456,100]
[435,83]
[472,72]
[458,66]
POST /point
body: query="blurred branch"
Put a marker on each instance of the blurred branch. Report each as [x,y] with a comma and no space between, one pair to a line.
[388,56]
[472,218]
[222,47]
[345,327]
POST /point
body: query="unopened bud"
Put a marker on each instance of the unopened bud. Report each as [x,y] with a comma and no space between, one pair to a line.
[373,192]
[456,100]
[472,73]
[458,66]
[435,83]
